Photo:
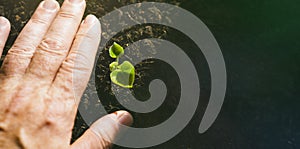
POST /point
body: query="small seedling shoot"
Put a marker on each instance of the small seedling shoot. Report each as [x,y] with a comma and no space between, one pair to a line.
[123,74]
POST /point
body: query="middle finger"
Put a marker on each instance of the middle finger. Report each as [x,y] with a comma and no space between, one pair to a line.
[56,44]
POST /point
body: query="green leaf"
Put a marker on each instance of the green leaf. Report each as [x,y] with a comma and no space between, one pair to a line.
[123,75]
[116,50]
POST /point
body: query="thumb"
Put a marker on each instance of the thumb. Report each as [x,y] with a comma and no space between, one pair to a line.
[103,131]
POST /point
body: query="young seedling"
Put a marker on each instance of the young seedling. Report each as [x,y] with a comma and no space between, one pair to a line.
[124,74]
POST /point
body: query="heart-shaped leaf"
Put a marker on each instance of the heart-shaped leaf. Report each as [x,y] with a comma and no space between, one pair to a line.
[123,75]
[116,50]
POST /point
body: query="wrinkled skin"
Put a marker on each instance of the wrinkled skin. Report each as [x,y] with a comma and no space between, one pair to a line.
[39,95]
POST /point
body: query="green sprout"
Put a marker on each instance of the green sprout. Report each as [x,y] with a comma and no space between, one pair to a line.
[116,51]
[124,74]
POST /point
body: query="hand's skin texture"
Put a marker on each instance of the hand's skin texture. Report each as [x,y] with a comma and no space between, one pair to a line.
[38,92]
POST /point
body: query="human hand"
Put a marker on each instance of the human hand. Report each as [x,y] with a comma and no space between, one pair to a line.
[39,94]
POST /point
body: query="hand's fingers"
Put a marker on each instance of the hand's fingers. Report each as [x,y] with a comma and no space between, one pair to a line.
[4,31]
[103,131]
[56,44]
[76,69]
[19,56]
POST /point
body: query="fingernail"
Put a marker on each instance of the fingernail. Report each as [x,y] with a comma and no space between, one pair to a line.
[90,19]
[50,4]
[124,118]
[75,1]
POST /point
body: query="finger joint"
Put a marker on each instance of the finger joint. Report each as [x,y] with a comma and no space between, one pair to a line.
[52,45]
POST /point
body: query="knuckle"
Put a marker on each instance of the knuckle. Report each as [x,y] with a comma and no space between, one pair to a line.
[89,36]
[78,61]
[67,69]
[105,144]
[38,20]
[65,75]
[103,139]
[24,49]
[67,14]
[70,60]
[53,45]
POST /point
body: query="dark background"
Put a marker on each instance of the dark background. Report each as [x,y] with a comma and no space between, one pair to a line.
[260,43]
